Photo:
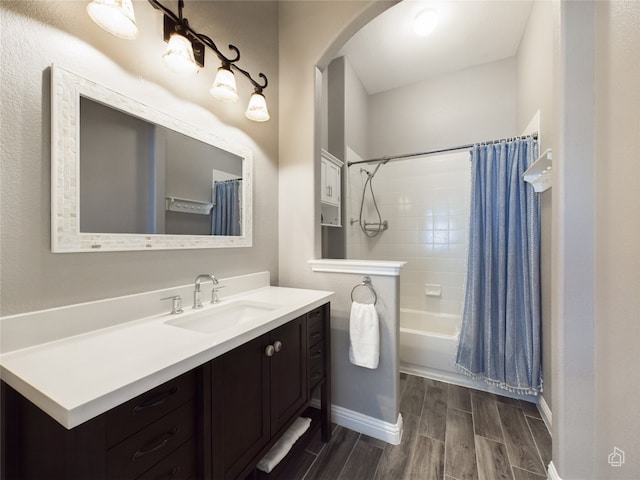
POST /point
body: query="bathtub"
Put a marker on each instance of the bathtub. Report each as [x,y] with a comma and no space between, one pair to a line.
[428,342]
[428,347]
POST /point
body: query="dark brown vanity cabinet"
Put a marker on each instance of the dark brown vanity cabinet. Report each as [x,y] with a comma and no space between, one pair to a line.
[256,389]
[260,388]
[154,435]
[216,421]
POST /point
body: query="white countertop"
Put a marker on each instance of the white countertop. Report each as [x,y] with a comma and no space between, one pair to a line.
[77,378]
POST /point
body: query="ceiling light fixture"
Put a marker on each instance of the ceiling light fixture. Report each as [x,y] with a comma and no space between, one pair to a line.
[115,16]
[425,22]
[186,51]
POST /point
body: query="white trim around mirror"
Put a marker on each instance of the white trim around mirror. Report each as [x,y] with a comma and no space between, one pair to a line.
[66,90]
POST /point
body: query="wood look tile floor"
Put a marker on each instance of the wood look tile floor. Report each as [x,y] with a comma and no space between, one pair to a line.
[450,433]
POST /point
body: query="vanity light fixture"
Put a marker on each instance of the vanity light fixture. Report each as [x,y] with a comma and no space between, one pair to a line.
[115,16]
[257,109]
[224,85]
[186,51]
[178,56]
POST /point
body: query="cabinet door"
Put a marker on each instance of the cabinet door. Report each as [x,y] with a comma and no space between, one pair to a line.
[324,190]
[240,407]
[288,368]
[333,183]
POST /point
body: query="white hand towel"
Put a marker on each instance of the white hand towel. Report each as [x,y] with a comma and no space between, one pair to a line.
[284,444]
[364,335]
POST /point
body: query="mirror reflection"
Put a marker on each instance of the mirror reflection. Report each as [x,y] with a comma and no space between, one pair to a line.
[141,178]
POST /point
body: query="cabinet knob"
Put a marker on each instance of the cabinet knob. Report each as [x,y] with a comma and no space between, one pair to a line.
[269,351]
[277,345]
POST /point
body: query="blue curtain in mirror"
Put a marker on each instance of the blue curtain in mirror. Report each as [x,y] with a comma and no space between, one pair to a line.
[500,336]
[226,218]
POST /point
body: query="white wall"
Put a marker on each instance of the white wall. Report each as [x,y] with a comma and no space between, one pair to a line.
[535,93]
[356,112]
[426,202]
[617,237]
[573,250]
[324,26]
[472,105]
[36,34]
[596,233]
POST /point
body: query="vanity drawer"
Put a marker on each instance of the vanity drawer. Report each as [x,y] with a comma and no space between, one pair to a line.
[179,465]
[315,327]
[139,412]
[140,452]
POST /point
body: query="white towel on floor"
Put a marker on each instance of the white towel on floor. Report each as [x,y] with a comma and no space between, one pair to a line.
[364,335]
[284,444]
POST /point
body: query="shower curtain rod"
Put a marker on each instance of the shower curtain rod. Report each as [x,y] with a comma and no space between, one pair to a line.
[442,150]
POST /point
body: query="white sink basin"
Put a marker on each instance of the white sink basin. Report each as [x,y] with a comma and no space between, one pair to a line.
[221,317]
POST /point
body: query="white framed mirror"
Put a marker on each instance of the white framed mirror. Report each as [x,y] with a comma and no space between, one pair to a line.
[125,176]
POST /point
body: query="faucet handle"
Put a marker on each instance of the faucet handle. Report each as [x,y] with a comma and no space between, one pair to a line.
[214,293]
[176,305]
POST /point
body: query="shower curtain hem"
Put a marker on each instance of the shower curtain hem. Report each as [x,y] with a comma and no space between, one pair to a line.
[535,391]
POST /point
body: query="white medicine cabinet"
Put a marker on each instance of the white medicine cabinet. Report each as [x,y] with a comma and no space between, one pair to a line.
[331,173]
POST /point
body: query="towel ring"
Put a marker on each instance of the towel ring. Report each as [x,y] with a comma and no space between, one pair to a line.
[366,282]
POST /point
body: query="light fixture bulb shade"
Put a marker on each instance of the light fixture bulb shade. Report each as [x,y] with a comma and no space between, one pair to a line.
[257,109]
[115,16]
[224,86]
[179,55]
[425,22]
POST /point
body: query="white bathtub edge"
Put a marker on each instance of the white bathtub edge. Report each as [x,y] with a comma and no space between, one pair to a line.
[358,422]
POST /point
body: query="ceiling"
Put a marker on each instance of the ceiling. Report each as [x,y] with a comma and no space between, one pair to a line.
[386,53]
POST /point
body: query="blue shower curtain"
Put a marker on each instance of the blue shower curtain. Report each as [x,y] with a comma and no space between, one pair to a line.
[500,336]
[226,218]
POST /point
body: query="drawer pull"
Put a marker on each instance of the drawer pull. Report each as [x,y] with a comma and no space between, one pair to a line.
[157,402]
[315,334]
[317,353]
[160,446]
[175,471]
[316,375]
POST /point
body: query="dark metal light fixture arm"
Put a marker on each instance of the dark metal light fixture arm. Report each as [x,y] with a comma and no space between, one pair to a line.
[209,43]
[248,75]
[158,6]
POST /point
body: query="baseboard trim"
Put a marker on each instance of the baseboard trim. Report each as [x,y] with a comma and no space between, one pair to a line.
[545,413]
[552,473]
[374,427]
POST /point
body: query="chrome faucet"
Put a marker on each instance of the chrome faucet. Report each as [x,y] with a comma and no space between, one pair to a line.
[197,303]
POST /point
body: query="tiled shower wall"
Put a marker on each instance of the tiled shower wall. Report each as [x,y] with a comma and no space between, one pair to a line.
[426,202]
